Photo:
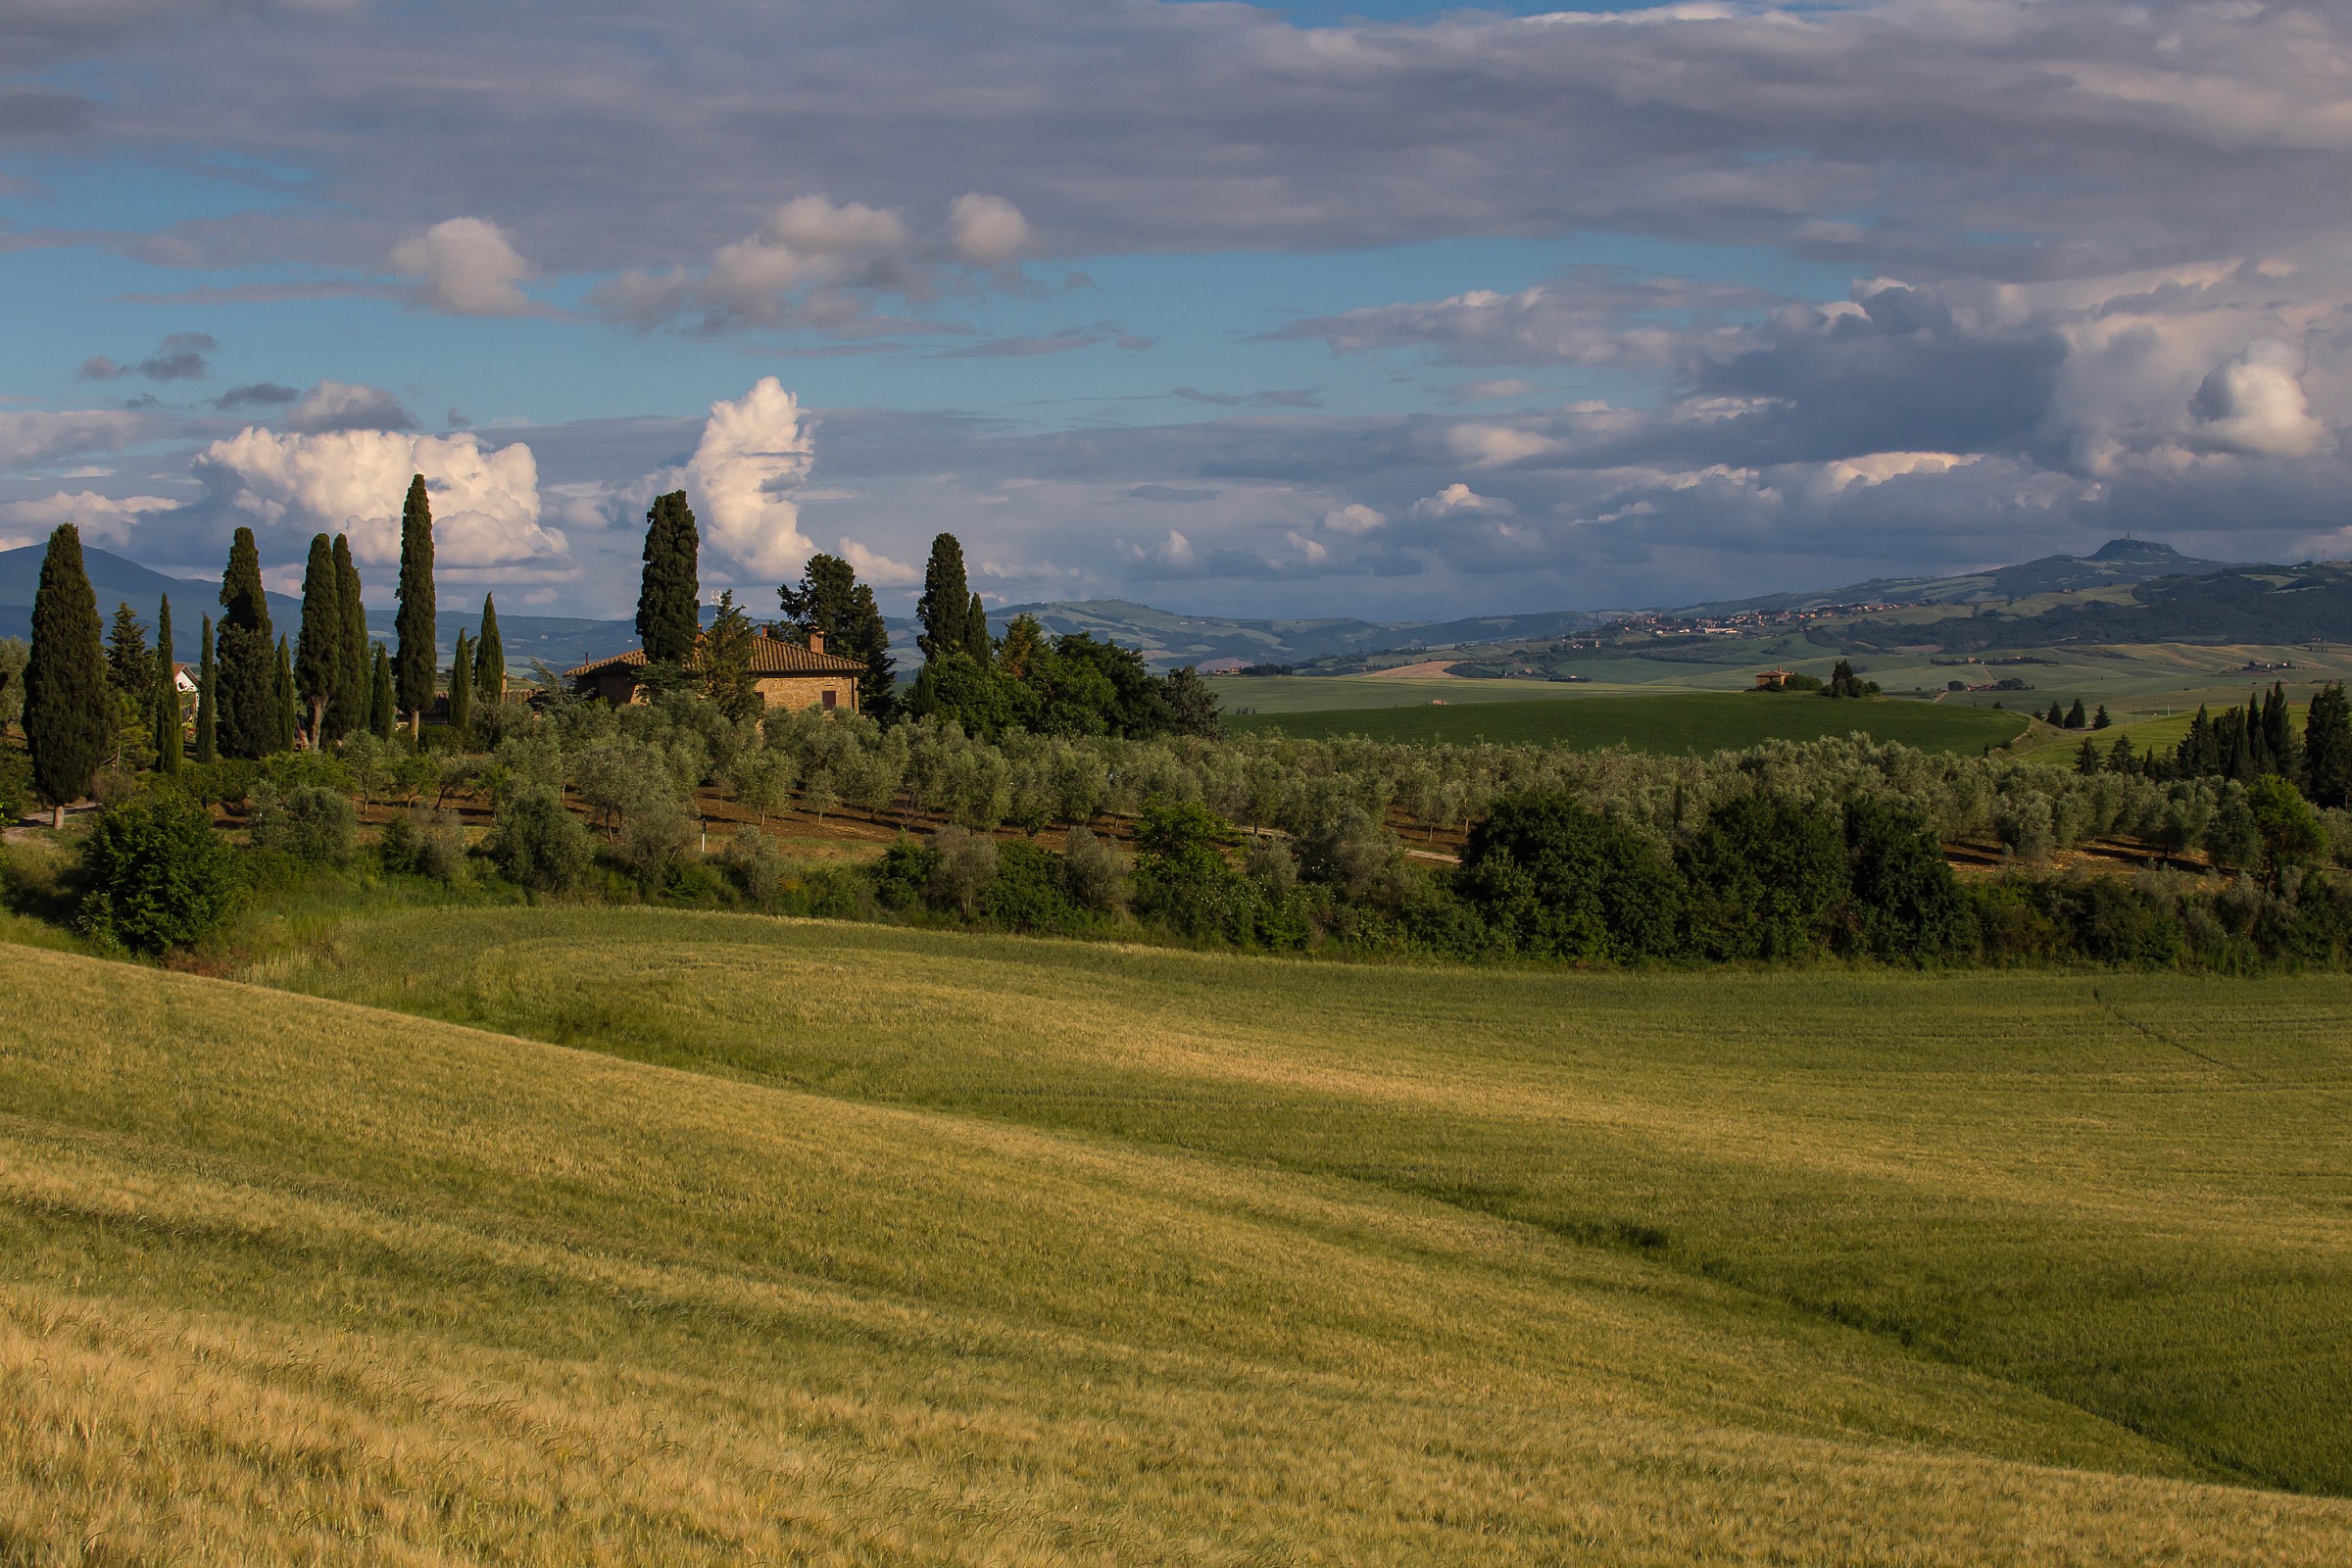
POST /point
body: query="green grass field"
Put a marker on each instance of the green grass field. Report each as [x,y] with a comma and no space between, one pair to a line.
[1656,721]
[629,1236]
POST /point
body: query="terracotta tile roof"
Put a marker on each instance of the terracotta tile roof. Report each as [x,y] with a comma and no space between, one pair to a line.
[771,656]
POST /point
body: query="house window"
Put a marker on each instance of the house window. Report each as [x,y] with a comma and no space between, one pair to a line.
[828,699]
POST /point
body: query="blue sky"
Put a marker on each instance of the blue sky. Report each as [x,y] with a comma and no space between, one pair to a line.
[1376,308]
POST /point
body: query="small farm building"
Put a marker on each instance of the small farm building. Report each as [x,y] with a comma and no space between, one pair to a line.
[785,674]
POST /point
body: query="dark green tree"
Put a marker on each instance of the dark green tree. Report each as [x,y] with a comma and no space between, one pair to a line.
[976,642]
[245,654]
[2281,750]
[670,592]
[2086,761]
[2120,758]
[69,706]
[461,687]
[1554,879]
[1192,706]
[1845,682]
[321,659]
[128,664]
[208,700]
[384,697]
[286,702]
[2327,748]
[830,599]
[1906,901]
[489,658]
[1767,876]
[944,607]
[722,663]
[166,697]
[418,663]
[159,876]
[355,694]
[2099,719]
[2075,718]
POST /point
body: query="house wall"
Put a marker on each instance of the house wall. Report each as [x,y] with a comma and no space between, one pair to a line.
[808,690]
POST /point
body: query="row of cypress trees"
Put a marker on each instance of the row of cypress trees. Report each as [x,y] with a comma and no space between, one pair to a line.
[257,693]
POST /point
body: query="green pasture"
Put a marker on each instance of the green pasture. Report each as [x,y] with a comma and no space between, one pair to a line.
[1658,721]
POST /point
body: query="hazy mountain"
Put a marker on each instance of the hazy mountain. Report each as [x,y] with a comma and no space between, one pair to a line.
[2118,560]
[1167,639]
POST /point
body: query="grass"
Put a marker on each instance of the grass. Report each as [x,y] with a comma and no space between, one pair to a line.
[847,1245]
[1657,721]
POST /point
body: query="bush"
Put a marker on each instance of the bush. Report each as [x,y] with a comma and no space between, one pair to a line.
[965,864]
[425,843]
[1093,872]
[1026,893]
[537,844]
[159,876]
[1766,878]
[902,877]
[1552,879]
[306,823]
[1905,900]
[1182,878]
[752,862]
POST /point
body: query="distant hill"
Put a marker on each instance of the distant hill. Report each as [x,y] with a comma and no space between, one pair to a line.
[114,582]
[1167,639]
[2117,562]
[2270,604]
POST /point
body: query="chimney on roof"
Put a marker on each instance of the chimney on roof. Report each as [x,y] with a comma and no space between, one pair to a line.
[817,642]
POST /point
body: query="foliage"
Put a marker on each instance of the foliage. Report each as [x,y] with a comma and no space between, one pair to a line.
[415,663]
[158,877]
[2327,746]
[427,843]
[1550,878]
[722,663]
[669,589]
[208,700]
[353,708]
[69,712]
[942,608]
[15,653]
[962,864]
[490,658]
[322,653]
[537,844]
[308,823]
[245,659]
[831,601]
[461,689]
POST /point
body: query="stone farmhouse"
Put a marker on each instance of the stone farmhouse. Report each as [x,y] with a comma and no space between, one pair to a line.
[785,674]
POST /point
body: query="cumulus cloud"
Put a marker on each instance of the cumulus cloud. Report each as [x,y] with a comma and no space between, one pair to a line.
[753,453]
[1458,500]
[2255,403]
[879,569]
[102,519]
[343,405]
[290,486]
[32,437]
[987,230]
[467,266]
[1357,519]
[807,262]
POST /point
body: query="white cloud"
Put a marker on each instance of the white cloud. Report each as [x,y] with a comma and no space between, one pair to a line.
[1355,517]
[753,451]
[34,437]
[102,519]
[879,570]
[1878,467]
[469,268]
[485,503]
[2255,403]
[1491,446]
[808,245]
[1460,500]
[988,230]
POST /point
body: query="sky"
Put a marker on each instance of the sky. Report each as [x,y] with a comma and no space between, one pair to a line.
[1320,309]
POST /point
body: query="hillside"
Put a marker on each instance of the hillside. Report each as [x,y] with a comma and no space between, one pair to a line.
[2118,563]
[2273,605]
[1659,721]
[1238,1261]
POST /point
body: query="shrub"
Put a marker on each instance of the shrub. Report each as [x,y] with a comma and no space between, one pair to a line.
[425,843]
[1182,878]
[538,844]
[903,875]
[1027,891]
[1766,878]
[1093,872]
[1552,879]
[965,864]
[306,823]
[750,861]
[159,876]
[1905,900]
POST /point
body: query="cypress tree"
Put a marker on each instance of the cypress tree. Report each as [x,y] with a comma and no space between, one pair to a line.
[286,704]
[208,700]
[245,652]
[128,665]
[417,663]
[975,632]
[2075,718]
[383,703]
[461,687]
[2327,746]
[489,658]
[166,695]
[354,695]
[944,608]
[670,593]
[69,712]
[2099,719]
[318,652]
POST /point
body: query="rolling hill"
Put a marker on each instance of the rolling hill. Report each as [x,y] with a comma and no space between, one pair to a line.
[1238,1261]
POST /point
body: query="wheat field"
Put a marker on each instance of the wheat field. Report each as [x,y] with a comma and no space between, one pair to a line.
[843,1244]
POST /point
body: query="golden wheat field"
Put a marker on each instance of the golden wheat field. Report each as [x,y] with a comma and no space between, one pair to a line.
[576,1235]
